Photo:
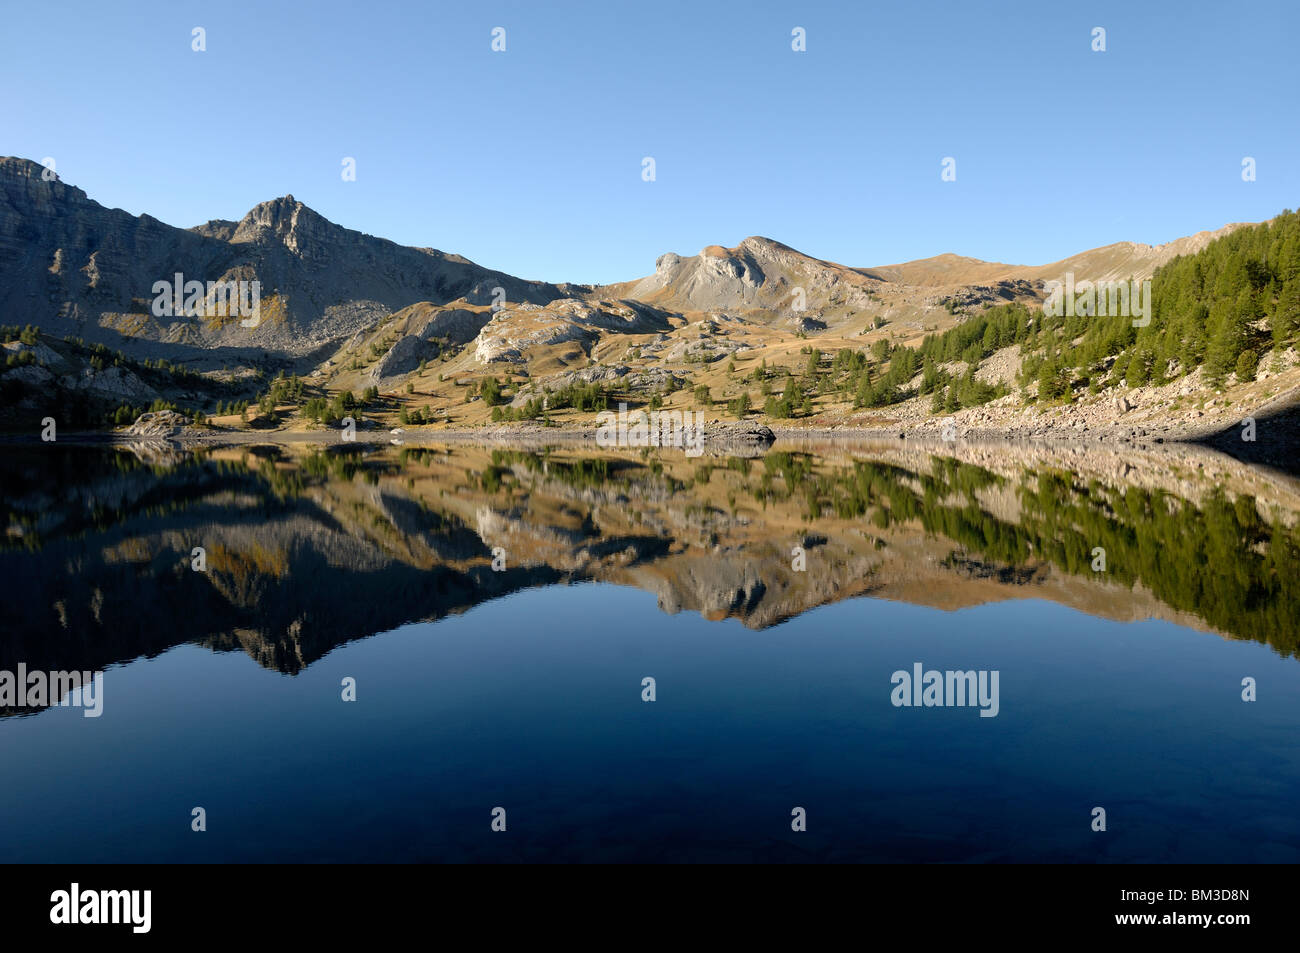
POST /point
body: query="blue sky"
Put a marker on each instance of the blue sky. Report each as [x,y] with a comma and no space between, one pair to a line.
[530,160]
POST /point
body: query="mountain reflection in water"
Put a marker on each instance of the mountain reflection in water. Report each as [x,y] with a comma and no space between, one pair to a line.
[771,598]
[307,549]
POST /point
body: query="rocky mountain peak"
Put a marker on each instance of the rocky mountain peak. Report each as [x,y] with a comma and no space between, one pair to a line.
[285,220]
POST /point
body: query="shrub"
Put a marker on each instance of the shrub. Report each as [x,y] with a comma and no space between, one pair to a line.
[1247,362]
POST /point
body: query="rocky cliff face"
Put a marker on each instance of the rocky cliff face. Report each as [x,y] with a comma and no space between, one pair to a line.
[65,260]
[71,266]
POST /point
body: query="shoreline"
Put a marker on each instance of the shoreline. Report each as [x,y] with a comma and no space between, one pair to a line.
[929,434]
[730,437]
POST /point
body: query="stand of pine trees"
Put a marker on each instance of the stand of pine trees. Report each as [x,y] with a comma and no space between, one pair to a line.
[1228,304]
[1224,308]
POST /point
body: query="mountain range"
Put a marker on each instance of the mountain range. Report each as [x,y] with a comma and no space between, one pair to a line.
[71,266]
[435,339]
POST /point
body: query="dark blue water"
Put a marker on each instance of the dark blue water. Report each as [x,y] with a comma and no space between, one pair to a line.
[532,702]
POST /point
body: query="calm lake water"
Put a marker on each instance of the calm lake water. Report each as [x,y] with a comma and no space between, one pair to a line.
[499,611]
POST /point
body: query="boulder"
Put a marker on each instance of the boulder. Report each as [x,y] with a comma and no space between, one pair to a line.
[159,423]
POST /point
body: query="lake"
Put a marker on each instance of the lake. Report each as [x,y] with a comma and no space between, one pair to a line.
[355,653]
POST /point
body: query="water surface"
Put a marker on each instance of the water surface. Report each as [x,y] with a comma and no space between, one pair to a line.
[522,688]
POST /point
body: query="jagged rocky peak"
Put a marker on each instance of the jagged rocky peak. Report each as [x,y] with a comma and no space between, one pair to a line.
[285,219]
[759,273]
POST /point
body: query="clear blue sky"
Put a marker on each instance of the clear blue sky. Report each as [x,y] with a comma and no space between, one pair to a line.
[530,160]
